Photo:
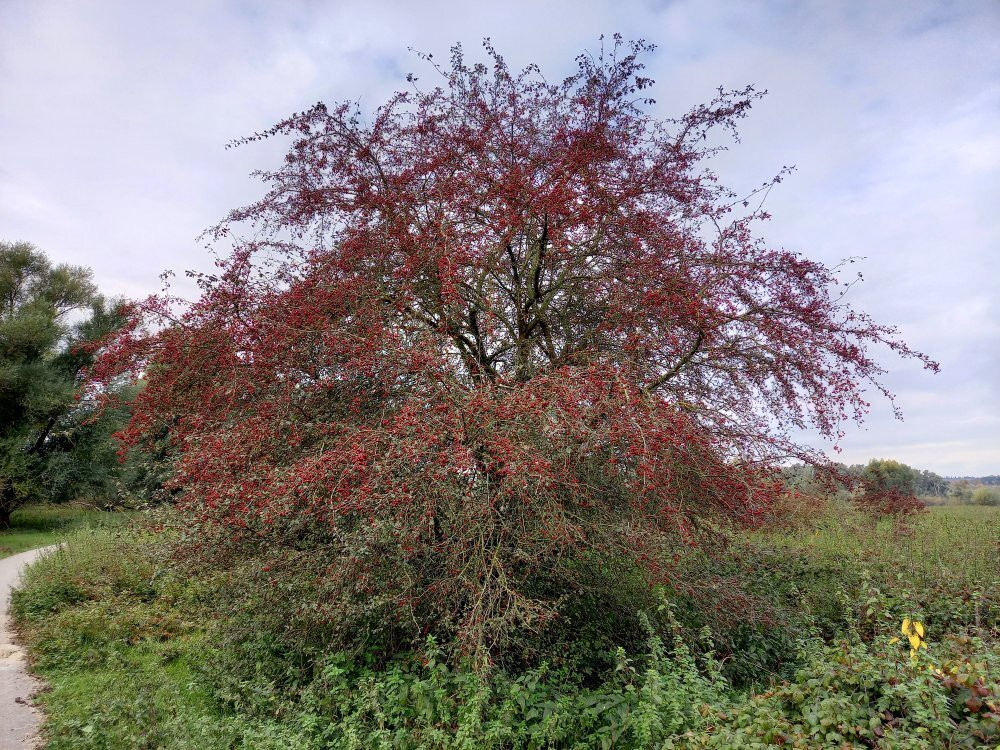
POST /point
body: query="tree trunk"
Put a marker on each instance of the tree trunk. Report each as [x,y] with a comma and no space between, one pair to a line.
[8,501]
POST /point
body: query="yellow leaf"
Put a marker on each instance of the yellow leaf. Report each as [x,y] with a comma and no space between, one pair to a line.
[923,645]
[919,627]
[906,626]
[892,640]
[914,641]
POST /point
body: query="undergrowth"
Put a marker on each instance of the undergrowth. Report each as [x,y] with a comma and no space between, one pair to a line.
[144,651]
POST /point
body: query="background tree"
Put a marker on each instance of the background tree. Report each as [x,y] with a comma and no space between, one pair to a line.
[43,357]
[929,483]
[886,474]
[961,491]
[501,348]
[888,487]
[984,495]
[80,457]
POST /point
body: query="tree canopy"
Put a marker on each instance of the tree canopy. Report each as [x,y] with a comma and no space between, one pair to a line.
[496,336]
[43,359]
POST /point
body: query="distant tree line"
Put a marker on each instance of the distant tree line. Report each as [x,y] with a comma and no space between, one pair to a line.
[993,480]
[888,474]
[969,492]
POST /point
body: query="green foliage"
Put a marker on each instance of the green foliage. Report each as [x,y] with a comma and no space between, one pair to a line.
[986,496]
[428,704]
[856,695]
[961,491]
[943,565]
[81,459]
[885,474]
[930,484]
[965,492]
[108,612]
[144,650]
[48,447]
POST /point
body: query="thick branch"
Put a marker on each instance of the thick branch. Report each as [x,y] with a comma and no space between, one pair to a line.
[681,363]
[41,438]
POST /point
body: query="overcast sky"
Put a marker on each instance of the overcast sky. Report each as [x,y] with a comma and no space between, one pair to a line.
[114,117]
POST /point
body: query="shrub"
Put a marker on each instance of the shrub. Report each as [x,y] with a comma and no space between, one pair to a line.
[986,496]
[889,502]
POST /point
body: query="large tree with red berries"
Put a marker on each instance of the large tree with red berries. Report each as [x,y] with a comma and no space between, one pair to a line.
[501,333]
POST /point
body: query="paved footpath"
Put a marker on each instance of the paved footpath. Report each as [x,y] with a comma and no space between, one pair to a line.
[19,719]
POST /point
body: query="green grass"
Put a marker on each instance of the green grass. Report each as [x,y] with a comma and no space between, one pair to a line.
[145,698]
[954,545]
[41,525]
[120,640]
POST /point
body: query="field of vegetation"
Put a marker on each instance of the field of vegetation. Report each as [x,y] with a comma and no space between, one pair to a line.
[41,525]
[143,649]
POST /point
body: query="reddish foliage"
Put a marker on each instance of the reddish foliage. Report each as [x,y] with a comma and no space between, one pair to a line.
[890,501]
[794,510]
[505,327]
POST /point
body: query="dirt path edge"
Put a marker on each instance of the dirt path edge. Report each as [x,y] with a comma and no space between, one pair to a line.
[19,717]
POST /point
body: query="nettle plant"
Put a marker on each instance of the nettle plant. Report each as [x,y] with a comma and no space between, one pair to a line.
[498,335]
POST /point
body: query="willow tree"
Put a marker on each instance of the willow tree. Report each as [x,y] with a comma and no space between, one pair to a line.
[44,354]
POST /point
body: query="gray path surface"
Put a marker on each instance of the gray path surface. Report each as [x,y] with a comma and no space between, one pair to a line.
[19,720]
